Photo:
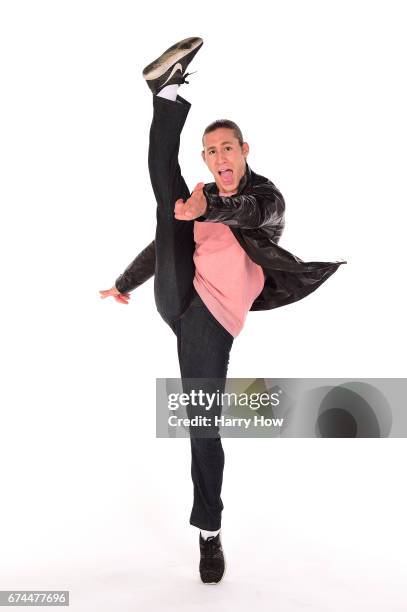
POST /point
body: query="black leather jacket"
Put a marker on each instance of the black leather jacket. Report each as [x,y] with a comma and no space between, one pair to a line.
[255,215]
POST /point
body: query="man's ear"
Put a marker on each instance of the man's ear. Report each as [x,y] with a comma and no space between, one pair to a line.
[245,149]
[203,156]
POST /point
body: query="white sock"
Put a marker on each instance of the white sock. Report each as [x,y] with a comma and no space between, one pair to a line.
[207,534]
[170,92]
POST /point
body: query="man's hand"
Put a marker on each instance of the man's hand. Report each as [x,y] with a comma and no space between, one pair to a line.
[194,207]
[122,298]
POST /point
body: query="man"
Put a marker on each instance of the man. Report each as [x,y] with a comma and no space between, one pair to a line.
[215,257]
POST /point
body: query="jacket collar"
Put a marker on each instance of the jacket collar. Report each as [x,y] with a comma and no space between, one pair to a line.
[243,183]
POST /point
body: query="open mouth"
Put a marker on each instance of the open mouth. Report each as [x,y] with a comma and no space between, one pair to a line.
[227,176]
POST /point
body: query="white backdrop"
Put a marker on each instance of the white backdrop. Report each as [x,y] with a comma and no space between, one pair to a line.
[91,501]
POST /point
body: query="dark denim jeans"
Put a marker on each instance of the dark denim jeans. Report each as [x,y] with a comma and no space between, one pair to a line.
[203,344]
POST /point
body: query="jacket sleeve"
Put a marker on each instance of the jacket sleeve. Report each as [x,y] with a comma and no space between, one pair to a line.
[262,205]
[138,271]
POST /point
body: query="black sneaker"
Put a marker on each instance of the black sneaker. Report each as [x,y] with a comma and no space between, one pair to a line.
[170,67]
[212,563]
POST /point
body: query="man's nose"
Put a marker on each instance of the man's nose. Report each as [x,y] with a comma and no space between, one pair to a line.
[221,157]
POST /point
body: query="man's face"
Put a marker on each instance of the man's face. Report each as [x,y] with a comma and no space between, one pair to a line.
[225,158]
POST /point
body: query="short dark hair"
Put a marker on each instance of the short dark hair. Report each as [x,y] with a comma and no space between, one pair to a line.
[224,123]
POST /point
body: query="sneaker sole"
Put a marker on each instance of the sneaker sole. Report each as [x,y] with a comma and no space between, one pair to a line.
[171,56]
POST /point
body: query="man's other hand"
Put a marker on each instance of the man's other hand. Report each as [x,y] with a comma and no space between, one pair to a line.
[122,298]
[194,207]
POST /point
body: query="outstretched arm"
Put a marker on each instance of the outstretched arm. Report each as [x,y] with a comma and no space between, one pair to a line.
[261,205]
[138,271]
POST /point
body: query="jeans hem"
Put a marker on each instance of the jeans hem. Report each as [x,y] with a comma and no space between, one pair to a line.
[204,526]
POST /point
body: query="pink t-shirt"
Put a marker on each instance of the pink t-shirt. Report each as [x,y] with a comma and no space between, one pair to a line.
[226,279]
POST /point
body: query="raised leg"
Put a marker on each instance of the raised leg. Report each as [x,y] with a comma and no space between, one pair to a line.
[174,239]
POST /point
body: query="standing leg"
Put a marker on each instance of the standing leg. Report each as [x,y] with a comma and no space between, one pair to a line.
[203,348]
[174,239]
